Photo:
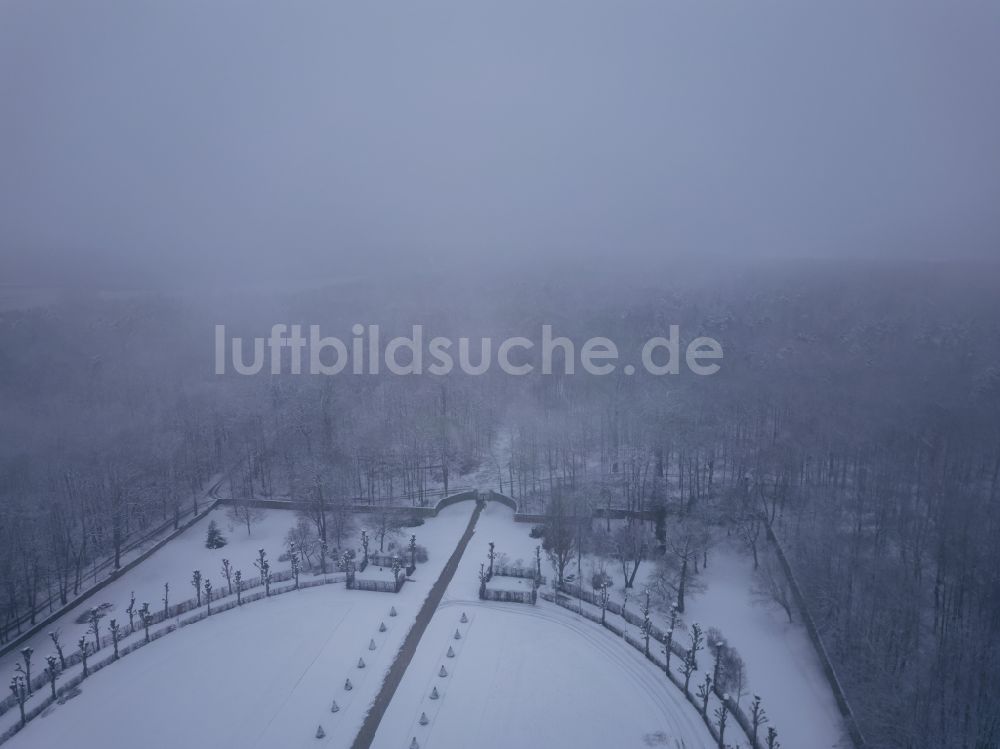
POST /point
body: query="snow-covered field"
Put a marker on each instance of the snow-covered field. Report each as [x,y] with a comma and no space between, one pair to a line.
[173,564]
[529,676]
[782,666]
[265,675]
[526,676]
[261,676]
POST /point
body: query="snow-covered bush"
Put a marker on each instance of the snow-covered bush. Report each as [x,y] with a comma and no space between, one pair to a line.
[214,539]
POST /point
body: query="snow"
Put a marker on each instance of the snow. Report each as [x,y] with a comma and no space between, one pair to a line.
[173,564]
[529,675]
[266,674]
[782,666]
[377,573]
[262,675]
[500,582]
[526,676]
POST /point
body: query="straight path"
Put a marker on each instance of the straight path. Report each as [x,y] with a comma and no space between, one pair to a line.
[366,735]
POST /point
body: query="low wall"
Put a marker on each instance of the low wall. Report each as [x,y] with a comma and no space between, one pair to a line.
[98,587]
[828,670]
[424,512]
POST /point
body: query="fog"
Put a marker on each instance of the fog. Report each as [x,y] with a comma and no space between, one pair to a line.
[158,144]
[233,236]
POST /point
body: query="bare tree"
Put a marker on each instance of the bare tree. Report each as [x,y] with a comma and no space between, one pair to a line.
[242,511]
[771,586]
[630,544]
[560,536]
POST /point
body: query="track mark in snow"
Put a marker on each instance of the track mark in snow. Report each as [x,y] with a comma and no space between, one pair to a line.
[295,686]
[676,711]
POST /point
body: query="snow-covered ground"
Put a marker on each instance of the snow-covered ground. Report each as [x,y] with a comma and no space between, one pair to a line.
[529,676]
[173,564]
[526,676]
[263,675]
[782,666]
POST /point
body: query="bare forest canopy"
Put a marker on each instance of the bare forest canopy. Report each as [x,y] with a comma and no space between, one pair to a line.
[858,404]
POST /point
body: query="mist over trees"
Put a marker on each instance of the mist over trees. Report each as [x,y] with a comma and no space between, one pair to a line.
[856,416]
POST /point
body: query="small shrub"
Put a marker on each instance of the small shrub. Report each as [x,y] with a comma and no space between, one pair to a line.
[537,531]
[85,617]
[413,521]
[599,579]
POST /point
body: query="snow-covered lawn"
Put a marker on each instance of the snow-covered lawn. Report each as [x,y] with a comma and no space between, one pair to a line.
[529,676]
[265,675]
[526,676]
[782,666]
[510,583]
[262,675]
[172,564]
[373,572]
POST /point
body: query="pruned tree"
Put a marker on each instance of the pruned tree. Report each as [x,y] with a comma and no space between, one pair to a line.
[227,572]
[647,624]
[772,738]
[26,654]
[293,558]
[54,636]
[690,662]
[365,541]
[687,668]
[604,597]
[52,672]
[130,610]
[704,692]
[264,568]
[115,634]
[721,717]
[483,579]
[95,627]
[758,717]
[146,617]
[20,694]
[196,582]
[84,653]
[668,644]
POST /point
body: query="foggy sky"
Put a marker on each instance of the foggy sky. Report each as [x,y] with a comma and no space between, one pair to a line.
[144,142]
